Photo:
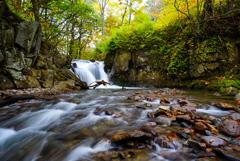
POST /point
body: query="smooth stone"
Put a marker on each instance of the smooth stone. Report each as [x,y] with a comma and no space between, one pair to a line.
[163,120]
[229,127]
[212,141]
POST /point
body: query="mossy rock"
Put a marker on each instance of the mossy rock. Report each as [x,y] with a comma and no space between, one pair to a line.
[229,91]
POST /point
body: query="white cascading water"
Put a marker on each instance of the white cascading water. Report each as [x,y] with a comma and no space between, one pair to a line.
[90,71]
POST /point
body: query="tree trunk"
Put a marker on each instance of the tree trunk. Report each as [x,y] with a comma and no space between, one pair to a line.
[39,33]
[102,23]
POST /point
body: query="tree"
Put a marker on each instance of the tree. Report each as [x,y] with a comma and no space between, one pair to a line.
[39,33]
[102,5]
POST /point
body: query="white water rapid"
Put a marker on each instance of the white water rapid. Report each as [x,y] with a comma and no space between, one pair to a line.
[90,71]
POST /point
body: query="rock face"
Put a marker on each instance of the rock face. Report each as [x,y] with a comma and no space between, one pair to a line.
[25,34]
[229,127]
[155,68]
[18,66]
[132,69]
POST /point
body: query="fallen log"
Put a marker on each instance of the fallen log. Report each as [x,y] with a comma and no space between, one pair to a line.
[14,99]
[98,83]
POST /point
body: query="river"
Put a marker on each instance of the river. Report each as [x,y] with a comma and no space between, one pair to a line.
[74,127]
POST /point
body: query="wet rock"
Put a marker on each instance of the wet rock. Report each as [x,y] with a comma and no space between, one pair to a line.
[230,127]
[160,112]
[147,105]
[137,134]
[182,135]
[235,116]
[212,141]
[199,126]
[235,147]
[225,106]
[236,141]
[150,115]
[164,144]
[203,155]
[182,101]
[163,120]
[189,108]
[135,98]
[164,108]
[170,155]
[164,100]
[196,144]
[141,107]
[109,112]
[150,99]
[184,124]
[181,118]
[174,107]
[229,91]
[222,153]
[152,124]
[149,129]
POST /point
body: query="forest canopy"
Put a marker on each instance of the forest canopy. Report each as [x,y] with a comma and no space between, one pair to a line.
[89,29]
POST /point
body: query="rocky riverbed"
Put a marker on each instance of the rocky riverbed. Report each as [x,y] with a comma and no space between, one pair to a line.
[128,124]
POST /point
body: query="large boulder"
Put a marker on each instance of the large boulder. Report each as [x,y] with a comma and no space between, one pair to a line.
[5,82]
[230,127]
[64,84]
[13,60]
[60,60]
[47,78]
[25,34]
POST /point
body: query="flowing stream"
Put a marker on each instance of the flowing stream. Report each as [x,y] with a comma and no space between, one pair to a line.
[73,127]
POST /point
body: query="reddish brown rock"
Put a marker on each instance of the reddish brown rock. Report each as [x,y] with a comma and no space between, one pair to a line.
[130,135]
[149,129]
[225,106]
[235,116]
[170,155]
[230,127]
[181,118]
[182,101]
[236,148]
[164,144]
[196,145]
[213,141]
[174,107]
[199,126]
[109,112]
[189,108]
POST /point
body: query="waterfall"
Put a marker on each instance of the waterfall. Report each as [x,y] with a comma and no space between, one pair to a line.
[90,71]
